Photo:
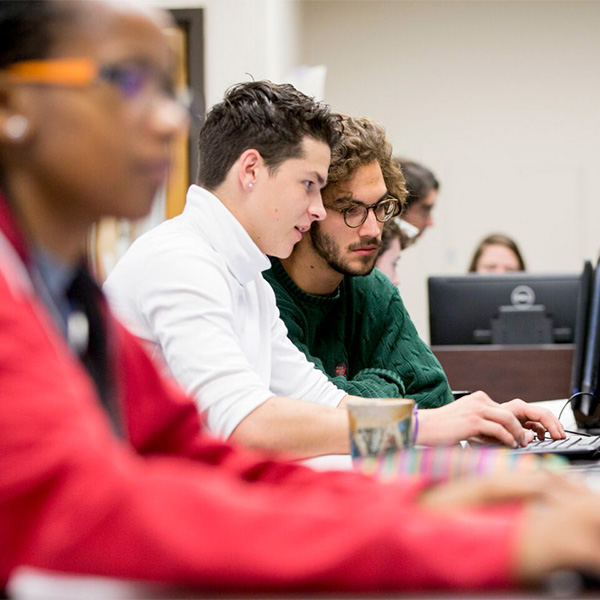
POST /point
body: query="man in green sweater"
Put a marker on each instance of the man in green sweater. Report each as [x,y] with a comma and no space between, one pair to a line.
[348,318]
[361,337]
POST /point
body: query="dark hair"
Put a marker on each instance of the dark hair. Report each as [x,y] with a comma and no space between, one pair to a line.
[272,118]
[496,239]
[419,180]
[28,28]
[364,141]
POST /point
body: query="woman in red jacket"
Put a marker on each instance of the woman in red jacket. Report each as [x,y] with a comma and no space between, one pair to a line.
[104,466]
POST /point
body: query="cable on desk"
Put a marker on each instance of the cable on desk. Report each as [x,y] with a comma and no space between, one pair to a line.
[573,398]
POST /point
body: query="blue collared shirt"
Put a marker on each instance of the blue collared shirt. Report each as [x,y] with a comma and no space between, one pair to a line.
[56,278]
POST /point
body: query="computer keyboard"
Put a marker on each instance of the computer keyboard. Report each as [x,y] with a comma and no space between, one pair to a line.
[576,445]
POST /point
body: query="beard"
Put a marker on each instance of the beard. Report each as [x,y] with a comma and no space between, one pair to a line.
[327,249]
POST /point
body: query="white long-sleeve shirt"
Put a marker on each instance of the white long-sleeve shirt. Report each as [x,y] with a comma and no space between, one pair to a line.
[193,291]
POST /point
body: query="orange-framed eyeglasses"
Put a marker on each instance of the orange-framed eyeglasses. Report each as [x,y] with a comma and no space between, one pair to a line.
[133,79]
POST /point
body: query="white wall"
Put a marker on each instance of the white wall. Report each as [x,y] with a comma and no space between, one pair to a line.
[245,39]
[500,99]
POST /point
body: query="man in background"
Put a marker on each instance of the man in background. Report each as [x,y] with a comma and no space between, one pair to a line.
[422,187]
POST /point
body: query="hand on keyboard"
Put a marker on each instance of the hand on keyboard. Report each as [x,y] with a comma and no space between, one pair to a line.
[538,420]
[477,417]
[574,444]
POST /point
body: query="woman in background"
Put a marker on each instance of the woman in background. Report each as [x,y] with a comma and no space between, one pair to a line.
[497,253]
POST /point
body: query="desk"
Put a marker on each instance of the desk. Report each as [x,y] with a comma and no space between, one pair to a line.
[533,373]
[32,584]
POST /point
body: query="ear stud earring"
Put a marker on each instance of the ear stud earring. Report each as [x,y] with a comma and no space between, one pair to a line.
[16,127]
[250,185]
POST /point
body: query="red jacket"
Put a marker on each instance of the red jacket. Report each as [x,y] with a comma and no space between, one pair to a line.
[173,504]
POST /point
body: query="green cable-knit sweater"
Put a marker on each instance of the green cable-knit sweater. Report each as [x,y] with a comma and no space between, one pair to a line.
[362,338]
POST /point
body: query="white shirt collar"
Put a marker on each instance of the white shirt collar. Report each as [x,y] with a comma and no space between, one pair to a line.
[225,234]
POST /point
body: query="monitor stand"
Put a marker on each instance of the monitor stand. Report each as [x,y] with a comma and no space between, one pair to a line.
[587,413]
[520,326]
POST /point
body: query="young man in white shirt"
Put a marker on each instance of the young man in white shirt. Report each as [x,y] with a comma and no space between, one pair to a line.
[192,288]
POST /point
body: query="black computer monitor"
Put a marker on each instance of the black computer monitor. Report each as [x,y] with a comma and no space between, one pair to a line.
[584,302]
[586,406]
[515,308]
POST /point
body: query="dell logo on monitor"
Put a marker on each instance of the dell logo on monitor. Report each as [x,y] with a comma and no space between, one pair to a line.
[522,297]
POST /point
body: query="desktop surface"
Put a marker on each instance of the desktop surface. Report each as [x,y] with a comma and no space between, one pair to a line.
[37,584]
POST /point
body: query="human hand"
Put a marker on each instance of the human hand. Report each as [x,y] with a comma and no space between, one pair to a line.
[559,530]
[537,419]
[476,491]
[478,417]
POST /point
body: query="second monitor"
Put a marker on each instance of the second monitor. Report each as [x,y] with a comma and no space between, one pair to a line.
[515,308]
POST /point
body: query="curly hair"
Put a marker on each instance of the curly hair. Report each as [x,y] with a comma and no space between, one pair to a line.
[271,118]
[362,142]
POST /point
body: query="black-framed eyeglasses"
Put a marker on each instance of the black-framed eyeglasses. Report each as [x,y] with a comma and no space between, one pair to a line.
[356,214]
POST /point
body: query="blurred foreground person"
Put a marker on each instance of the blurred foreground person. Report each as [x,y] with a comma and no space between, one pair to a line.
[105,467]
